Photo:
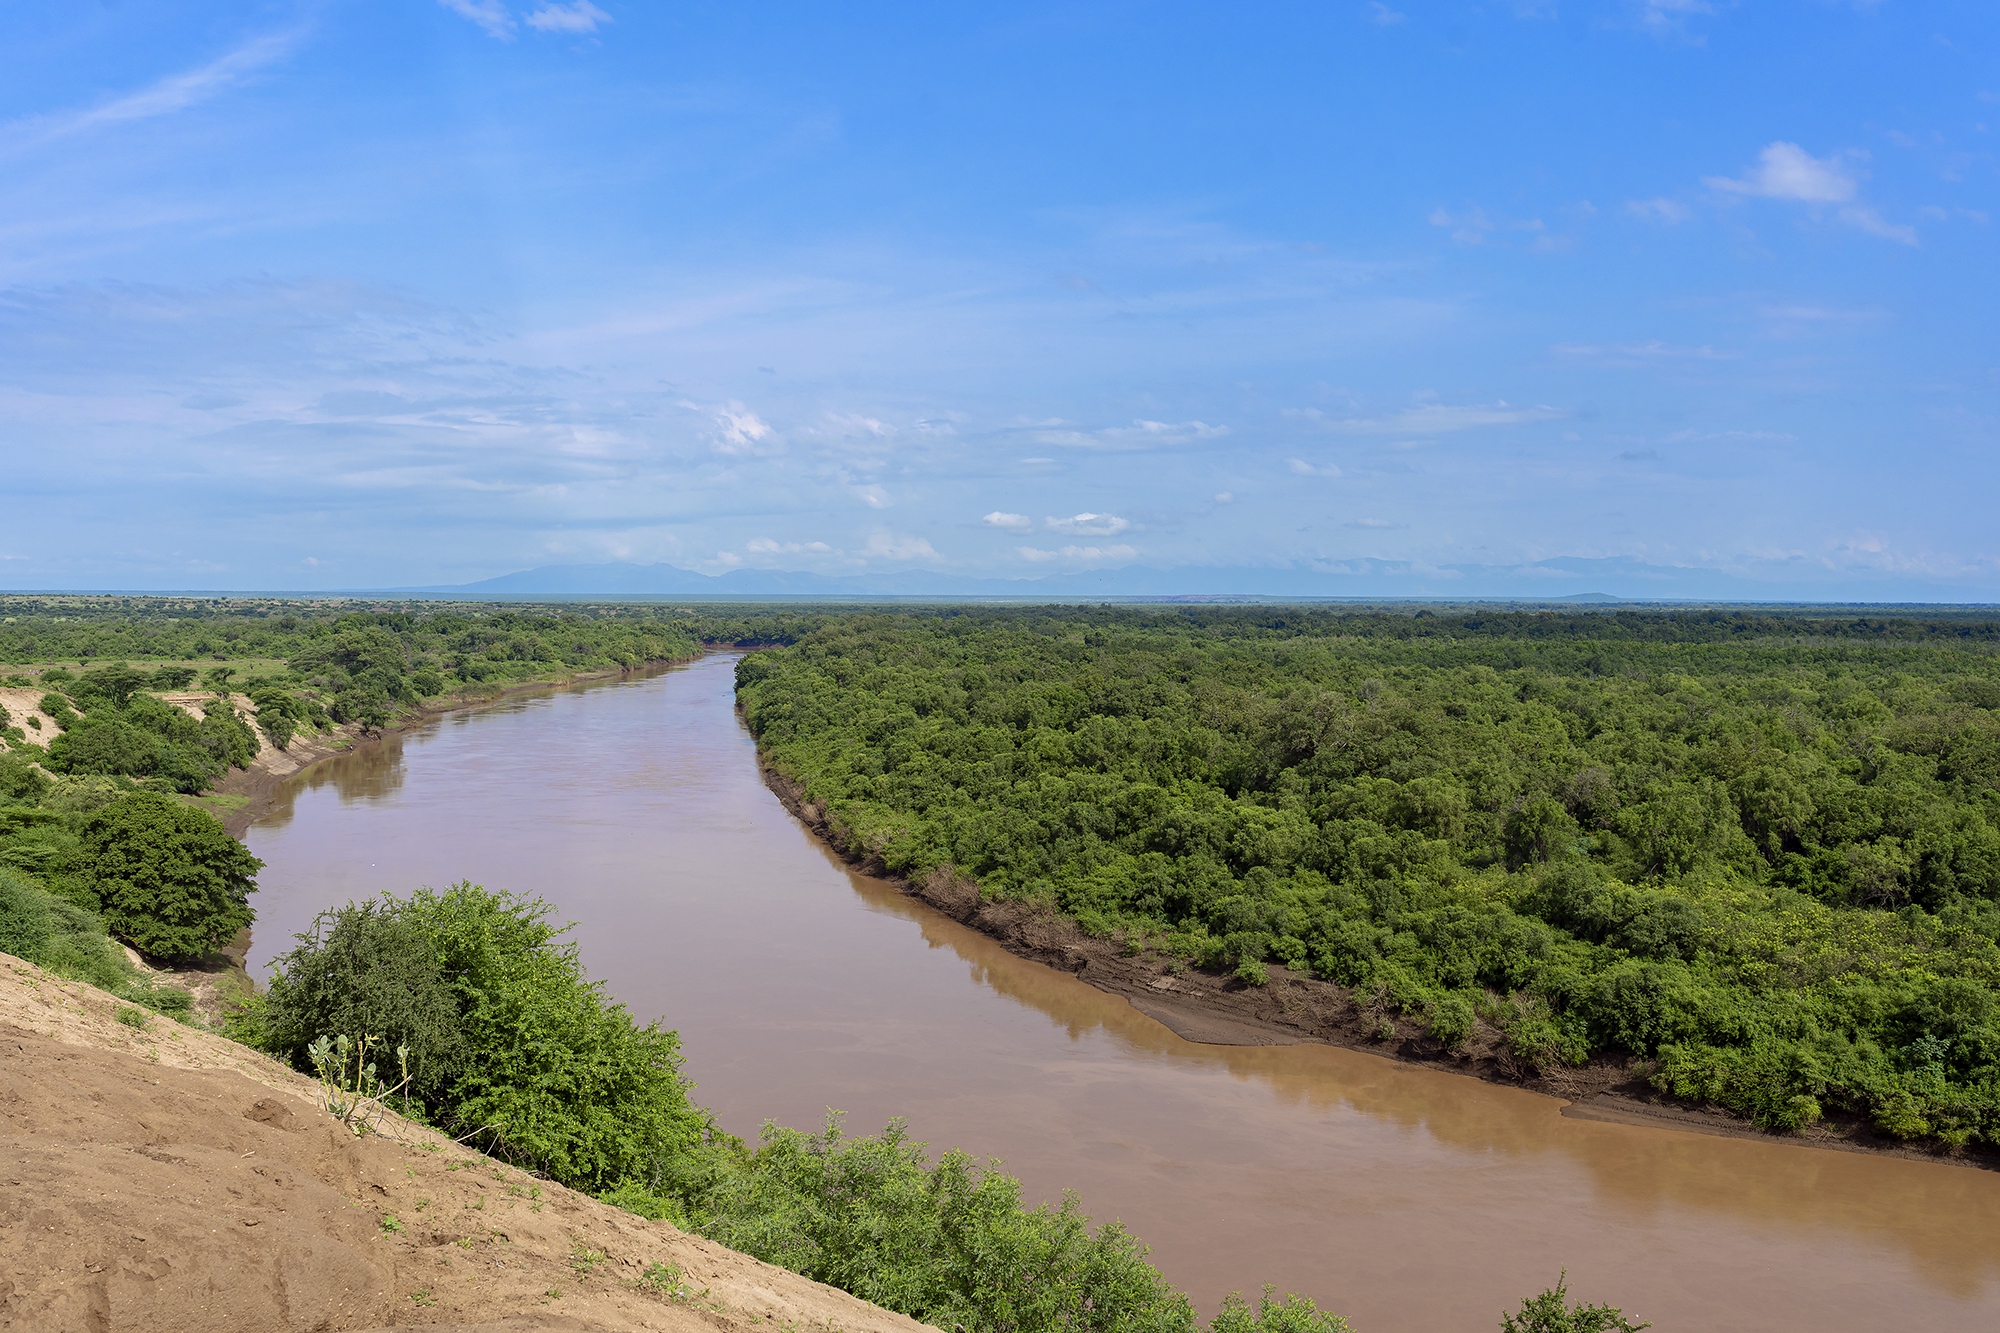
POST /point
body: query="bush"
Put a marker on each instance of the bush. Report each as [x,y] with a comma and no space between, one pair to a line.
[948,1244]
[530,1054]
[71,943]
[167,877]
[1295,1314]
[20,779]
[366,969]
[1551,1312]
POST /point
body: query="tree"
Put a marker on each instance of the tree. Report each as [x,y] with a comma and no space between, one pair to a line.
[167,877]
[1551,1312]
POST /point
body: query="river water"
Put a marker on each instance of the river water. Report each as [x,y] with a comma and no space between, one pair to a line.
[1404,1198]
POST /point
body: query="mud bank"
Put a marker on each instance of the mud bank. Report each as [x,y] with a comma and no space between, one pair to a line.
[1217,1009]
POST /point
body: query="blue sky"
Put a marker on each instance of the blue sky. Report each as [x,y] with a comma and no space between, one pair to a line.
[379,294]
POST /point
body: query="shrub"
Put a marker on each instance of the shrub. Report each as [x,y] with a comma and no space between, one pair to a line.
[949,1243]
[71,943]
[20,779]
[1551,1312]
[529,1053]
[1295,1314]
[367,969]
[166,876]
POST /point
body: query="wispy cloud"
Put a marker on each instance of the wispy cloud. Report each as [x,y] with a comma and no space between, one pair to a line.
[581,16]
[1637,353]
[1787,171]
[1083,553]
[176,92]
[1382,16]
[1010,522]
[1658,210]
[1141,434]
[1088,525]
[1301,468]
[1430,418]
[490,15]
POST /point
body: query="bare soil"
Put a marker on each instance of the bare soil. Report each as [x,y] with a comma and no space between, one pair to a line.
[164,1179]
[1217,1009]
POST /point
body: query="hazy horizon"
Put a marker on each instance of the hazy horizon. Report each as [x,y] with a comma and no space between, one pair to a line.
[1541,299]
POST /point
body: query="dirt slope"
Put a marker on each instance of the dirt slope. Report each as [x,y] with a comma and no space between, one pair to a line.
[167,1180]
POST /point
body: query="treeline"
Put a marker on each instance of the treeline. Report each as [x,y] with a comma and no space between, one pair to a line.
[1760,852]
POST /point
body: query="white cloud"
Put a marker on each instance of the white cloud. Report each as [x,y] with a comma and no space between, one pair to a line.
[491,15]
[1304,469]
[1078,553]
[743,431]
[1468,228]
[1872,222]
[1013,522]
[582,16]
[873,496]
[1657,210]
[1141,434]
[1638,353]
[771,546]
[1664,17]
[174,93]
[888,546]
[1224,497]
[1382,16]
[1429,418]
[1787,171]
[1087,525]
[1370,523]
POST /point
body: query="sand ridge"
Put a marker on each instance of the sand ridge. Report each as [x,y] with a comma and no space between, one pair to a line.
[164,1178]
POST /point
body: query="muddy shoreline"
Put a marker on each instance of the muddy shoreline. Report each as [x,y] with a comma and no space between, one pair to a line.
[1293,1009]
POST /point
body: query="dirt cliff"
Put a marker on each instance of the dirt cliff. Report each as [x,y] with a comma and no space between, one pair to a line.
[161,1178]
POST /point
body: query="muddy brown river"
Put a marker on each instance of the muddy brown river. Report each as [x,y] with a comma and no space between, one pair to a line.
[1404,1198]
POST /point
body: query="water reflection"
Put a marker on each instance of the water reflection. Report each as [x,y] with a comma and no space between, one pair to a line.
[1405,1197]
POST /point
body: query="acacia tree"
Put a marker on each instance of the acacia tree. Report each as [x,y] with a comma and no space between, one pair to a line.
[167,877]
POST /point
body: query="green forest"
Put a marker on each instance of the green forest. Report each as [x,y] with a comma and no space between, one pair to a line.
[1758,852]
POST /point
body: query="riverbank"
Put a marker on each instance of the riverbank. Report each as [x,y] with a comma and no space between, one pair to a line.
[1215,1008]
[245,795]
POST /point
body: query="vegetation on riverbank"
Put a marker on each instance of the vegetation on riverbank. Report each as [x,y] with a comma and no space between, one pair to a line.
[1761,852]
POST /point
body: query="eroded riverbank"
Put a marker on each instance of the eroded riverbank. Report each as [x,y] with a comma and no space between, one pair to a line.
[1214,1008]
[1402,1196]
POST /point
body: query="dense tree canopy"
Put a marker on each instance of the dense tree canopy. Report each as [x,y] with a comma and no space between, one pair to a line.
[166,877]
[1762,851]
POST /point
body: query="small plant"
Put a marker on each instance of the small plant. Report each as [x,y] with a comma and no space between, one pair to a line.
[1385,1028]
[130,1017]
[350,1089]
[391,1225]
[463,1242]
[582,1259]
[665,1280]
[422,1296]
[555,1293]
[1551,1312]
[423,1204]
[1252,973]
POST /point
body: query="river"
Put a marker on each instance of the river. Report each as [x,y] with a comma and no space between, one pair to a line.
[1404,1198]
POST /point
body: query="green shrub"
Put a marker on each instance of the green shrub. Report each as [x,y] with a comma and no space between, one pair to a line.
[367,968]
[70,942]
[167,877]
[1294,1314]
[1551,1312]
[531,1058]
[946,1243]
[20,779]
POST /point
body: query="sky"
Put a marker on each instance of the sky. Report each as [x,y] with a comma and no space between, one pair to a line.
[384,293]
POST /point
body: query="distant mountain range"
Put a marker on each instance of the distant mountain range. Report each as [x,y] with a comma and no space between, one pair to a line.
[1566,580]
